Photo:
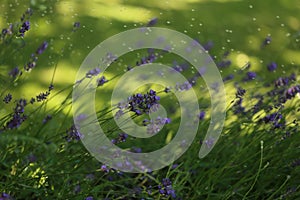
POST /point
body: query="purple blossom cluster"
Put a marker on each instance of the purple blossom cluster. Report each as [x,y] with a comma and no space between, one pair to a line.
[121,138]
[18,116]
[151,57]
[7,98]
[101,81]
[34,57]
[274,119]
[93,72]
[140,104]
[291,92]
[166,188]
[5,196]
[24,28]
[19,29]
[73,134]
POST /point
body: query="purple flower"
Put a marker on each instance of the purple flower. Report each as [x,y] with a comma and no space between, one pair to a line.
[14,72]
[167,90]
[76,24]
[166,188]
[5,196]
[73,134]
[32,100]
[229,77]
[208,45]
[251,75]
[240,92]
[166,182]
[7,98]
[136,149]
[93,72]
[140,104]
[20,106]
[121,138]
[152,22]
[267,41]
[16,121]
[272,117]
[201,115]
[77,189]
[104,168]
[42,96]
[47,118]
[224,63]
[51,87]
[42,48]
[272,66]
[25,27]
[281,81]
[89,198]
[151,57]
[238,108]
[101,81]
[292,91]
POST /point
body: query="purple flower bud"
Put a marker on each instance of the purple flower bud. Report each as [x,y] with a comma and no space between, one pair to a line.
[201,115]
[7,98]
[152,22]
[93,72]
[251,75]
[272,66]
[42,48]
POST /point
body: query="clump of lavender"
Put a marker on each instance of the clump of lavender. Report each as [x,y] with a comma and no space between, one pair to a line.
[7,98]
[5,196]
[250,76]
[73,134]
[274,119]
[140,104]
[237,106]
[18,116]
[101,81]
[24,28]
[292,92]
[15,72]
[34,57]
[151,57]
[121,138]
[93,72]
[166,188]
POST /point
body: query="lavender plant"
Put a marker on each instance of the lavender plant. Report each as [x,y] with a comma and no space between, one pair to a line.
[41,156]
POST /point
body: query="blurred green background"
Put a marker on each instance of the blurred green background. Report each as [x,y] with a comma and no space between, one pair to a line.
[232,25]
